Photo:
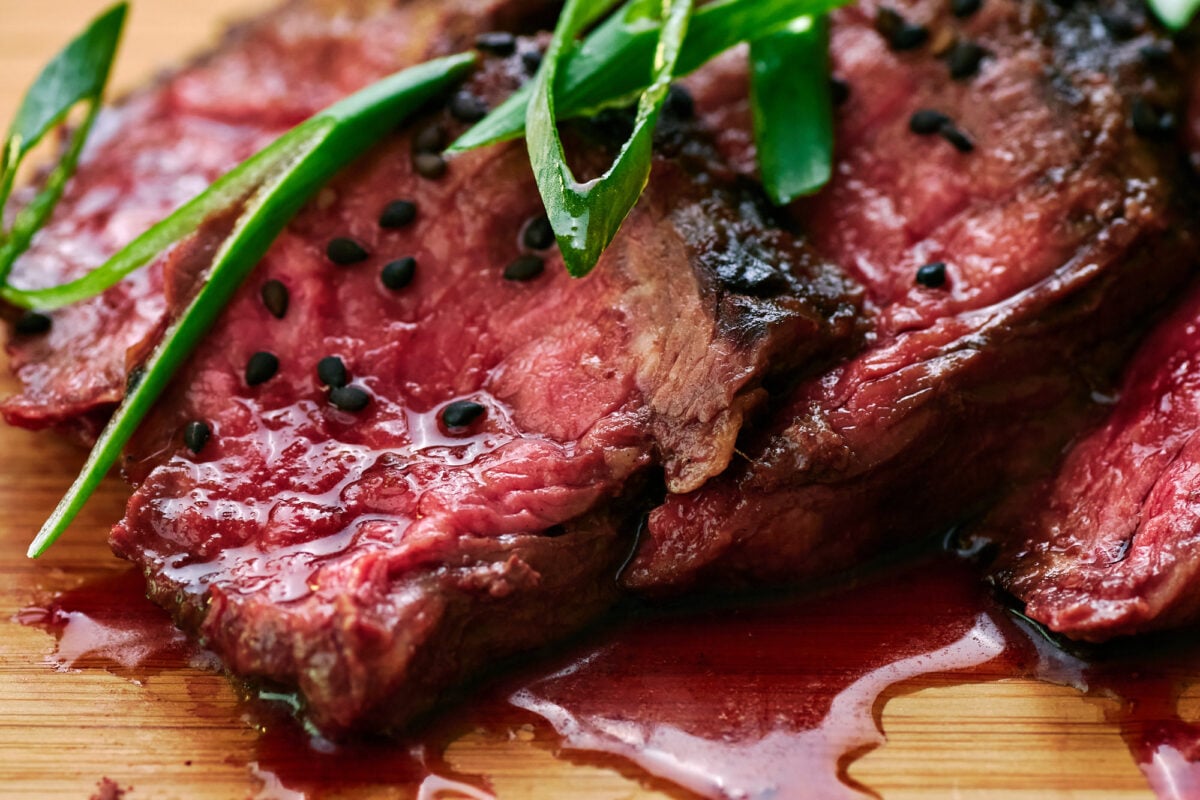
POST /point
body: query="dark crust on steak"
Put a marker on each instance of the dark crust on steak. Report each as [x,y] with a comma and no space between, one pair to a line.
[964,393]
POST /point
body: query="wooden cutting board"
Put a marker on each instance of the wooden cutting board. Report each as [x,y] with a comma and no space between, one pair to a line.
[60,732]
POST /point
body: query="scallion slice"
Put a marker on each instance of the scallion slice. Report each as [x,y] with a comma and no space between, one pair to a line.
[586,216]
[1175,14]
[616,60]
[793,109]
[78,74]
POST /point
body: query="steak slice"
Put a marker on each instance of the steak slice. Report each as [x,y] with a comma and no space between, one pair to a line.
[1107,547]
[375,558]
[1060,231]
[166,143]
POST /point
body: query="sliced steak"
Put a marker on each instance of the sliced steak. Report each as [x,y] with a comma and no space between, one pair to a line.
[1059,232]
[474,491]
[1108,547]
[166,143]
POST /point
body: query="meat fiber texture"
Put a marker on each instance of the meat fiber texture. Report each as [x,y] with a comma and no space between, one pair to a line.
[376,559]
[1061,231]
[1108,546]
[161,147]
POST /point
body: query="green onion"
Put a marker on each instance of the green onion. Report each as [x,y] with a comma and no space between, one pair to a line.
[226,192]
[1175,14]
[78,74]
[615,61]
[270,189]
[792,109]
[586,216]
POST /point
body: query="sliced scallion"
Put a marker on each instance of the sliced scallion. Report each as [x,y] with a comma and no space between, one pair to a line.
[586,216]
[616,60]
[792,109]
[1175,14]
[78,74]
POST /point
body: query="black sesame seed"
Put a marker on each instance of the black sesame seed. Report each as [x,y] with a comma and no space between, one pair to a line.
[461,413]
[1144,117]
[1156,54]
[964,59]
[962,143]
[679,103]
[499,43]
[399,273]
[430,139]
[195,435]
[932,275]
[531,60]
[331,371]
[965,8]
[261,368]
[350,398]
[524,268]
[614,124]
[899,32]
[1121,27]
[275,297]
[429,165]
[1149,122]
[839,90]
[32,323]
[926,121]
[909,37]
[468,107]
[887,20]
[538,234]
[345,251]
[398,214]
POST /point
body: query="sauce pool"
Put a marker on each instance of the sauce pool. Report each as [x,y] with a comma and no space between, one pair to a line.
[769,698]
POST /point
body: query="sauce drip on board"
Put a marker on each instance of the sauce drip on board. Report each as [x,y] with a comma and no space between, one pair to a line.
[759,698]
[108,623]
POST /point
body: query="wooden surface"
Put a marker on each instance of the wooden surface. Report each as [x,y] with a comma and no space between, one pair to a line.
[180,734]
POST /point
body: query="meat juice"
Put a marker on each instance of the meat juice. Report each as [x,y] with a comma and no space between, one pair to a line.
[764,697]
[107,623]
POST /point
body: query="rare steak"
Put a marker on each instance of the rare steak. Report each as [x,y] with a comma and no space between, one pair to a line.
[1108,547]
[1013,216]
[412,445]
[165,144]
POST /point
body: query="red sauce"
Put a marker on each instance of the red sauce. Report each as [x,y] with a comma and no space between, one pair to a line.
[731,701]
[108,623]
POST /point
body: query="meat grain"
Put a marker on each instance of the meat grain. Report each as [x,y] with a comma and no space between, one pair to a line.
[1061,231]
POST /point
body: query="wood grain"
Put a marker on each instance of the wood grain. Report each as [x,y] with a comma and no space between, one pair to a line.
[180,734]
